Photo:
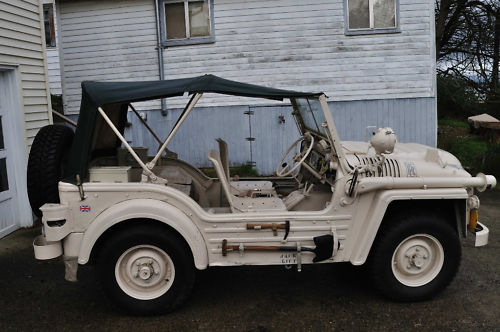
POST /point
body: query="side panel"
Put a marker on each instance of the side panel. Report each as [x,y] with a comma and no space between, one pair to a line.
[362,235]
[150,209]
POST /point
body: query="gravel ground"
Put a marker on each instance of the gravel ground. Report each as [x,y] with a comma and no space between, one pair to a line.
[35,297]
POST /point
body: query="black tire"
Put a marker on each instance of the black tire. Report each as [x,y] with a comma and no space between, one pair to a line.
[146,237]
[47,158]
[395,280]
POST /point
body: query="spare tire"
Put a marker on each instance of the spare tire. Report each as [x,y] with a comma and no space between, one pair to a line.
[47,158]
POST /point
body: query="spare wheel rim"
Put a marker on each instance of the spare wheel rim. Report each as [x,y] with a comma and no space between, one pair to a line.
[145,272]
[417,260]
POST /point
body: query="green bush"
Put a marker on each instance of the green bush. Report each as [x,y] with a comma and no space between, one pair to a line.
[470,151]
[455,99]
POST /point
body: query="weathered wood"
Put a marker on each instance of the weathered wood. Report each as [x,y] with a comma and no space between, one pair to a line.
[293,44]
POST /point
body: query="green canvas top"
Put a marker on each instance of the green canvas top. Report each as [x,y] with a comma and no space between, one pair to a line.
[115,97]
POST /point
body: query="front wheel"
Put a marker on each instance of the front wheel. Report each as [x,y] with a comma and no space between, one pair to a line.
[146,269]
[414,258]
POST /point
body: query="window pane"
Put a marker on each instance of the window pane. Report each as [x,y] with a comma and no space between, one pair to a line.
[384,12]
[2,146]
[199,19]
[359,14]
[176,21]
[48,22]
[4,184]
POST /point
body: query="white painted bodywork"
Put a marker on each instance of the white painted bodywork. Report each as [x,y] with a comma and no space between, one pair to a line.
[112,203]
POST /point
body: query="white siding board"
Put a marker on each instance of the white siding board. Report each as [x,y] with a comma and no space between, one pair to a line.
[29,6]
[31,66]
[26,14]
[21,45]
[19,35]
[32,77]
[13,18]
[29,109]
[14,28]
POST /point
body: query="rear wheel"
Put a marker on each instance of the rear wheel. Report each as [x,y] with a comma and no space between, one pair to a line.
[146,269]
[415,258]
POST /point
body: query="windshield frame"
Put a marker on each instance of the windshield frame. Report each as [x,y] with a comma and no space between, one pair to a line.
[299,117]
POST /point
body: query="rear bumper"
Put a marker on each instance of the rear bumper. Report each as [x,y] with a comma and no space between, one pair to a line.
[481,232]
[70,246]
[46,249]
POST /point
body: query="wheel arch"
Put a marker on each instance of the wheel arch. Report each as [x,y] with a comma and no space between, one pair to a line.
[133,212]
[450,203]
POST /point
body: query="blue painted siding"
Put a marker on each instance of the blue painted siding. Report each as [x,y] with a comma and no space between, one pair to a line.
[413,119]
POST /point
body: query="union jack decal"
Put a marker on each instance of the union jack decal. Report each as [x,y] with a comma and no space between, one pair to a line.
[84,208]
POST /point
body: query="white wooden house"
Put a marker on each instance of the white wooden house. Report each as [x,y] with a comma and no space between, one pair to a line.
[373,58]
[24,104]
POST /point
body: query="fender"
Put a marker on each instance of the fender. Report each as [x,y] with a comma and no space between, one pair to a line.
[147,209]
[381,201]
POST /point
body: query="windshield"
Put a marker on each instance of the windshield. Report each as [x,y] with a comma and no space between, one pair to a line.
[312,114]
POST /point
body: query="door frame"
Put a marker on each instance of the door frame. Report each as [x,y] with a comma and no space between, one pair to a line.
[11,98]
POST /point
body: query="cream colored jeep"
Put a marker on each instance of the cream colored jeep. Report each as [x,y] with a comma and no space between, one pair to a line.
[148,222]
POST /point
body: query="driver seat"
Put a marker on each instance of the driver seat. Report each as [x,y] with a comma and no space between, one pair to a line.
[243,204]
[240,187]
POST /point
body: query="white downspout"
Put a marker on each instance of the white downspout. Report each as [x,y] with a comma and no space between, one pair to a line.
[159,49]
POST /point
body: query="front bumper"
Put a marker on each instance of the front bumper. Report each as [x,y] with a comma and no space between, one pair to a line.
[481,232]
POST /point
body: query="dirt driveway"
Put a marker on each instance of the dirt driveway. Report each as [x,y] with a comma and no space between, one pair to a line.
[34,296]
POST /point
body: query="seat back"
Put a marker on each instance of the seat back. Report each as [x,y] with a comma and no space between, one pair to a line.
[224,156]
[214,157]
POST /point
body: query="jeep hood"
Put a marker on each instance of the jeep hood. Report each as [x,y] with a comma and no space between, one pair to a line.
[412,159]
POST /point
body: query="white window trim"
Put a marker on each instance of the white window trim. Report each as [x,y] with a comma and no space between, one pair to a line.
[188,40]
[372,29]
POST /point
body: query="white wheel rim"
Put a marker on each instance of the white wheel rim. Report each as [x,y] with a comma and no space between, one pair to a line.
[145,272]
[417,260]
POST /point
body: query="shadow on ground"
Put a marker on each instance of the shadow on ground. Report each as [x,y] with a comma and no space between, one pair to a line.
[34,295]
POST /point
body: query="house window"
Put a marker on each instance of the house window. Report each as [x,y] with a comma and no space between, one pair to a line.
[48,22]
[187,22]
[371,16]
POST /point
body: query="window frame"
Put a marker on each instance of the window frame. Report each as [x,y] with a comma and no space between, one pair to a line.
[190,40]
[370,31]
[52,25]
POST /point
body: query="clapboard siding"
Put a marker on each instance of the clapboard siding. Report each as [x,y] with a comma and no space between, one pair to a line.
[302,45]
[21,45]
[106,40]
[289,44]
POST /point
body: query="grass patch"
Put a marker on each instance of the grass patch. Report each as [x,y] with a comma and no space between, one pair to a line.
[453,123]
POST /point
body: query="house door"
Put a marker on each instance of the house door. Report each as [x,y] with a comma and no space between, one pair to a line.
[14,210]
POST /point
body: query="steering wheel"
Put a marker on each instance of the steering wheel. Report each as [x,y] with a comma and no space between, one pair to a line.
[283,168]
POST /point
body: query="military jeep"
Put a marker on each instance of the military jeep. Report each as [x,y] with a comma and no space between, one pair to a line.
[148,222]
